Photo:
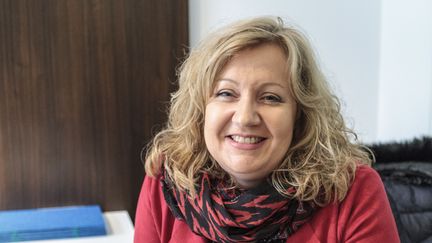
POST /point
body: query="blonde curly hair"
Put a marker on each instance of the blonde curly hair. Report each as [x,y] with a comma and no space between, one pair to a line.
[321,161]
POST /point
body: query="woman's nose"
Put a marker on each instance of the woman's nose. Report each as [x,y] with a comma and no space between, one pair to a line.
[246,113]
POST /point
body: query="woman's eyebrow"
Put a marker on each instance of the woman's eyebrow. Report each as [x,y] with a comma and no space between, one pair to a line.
[270,83]
[226,80]
[274,84]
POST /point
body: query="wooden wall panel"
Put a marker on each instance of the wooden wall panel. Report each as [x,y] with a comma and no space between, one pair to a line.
[83,84]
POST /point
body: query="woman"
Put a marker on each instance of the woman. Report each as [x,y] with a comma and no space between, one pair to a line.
[256,150]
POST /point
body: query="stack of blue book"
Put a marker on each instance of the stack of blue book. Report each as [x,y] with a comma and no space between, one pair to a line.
[51,223]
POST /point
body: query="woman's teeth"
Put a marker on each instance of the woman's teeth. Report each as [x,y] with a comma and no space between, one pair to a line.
[248,140]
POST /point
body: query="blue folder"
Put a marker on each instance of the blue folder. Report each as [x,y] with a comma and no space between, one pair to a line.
[51,223]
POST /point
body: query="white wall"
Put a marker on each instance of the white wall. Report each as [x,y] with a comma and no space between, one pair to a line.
[345,35]
[405,91]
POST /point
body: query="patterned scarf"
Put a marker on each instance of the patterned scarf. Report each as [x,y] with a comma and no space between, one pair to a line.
[260,214]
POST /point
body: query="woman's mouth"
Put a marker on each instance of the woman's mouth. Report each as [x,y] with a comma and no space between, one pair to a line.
[247,139]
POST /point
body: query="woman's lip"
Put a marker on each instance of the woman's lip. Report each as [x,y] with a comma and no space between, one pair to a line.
[246,135]
[238,136]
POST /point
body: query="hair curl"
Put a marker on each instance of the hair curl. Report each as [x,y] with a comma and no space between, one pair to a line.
[321,161]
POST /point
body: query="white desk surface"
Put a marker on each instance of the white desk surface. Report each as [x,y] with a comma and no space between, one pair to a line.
[119,230]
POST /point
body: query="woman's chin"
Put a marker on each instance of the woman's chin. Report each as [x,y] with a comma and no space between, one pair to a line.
[247,179]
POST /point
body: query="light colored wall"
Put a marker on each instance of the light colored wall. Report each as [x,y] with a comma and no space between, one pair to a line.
[348,39]
[405,91]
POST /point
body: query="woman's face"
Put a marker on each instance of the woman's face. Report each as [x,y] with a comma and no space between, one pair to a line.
[250,115]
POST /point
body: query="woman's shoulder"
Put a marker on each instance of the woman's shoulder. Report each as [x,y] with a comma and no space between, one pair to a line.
[154,221]
[152,216]
[366,171]
[365,180]
[365,213]
[152,182]
[367,189]
[363,216]
[151,195]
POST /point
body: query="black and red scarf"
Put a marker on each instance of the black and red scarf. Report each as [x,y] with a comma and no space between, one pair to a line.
[260,214]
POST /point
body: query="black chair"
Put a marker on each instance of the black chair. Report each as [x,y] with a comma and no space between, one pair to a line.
[406,170]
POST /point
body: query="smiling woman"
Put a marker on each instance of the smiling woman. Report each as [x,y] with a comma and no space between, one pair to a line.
[256,150]
[249,119]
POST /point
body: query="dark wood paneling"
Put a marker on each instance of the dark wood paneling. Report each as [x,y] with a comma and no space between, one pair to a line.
[83,83]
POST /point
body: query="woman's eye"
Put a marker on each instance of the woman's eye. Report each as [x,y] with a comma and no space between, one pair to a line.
[224,93]
[272,99]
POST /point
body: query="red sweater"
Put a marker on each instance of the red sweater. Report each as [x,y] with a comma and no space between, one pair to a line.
[363,216]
